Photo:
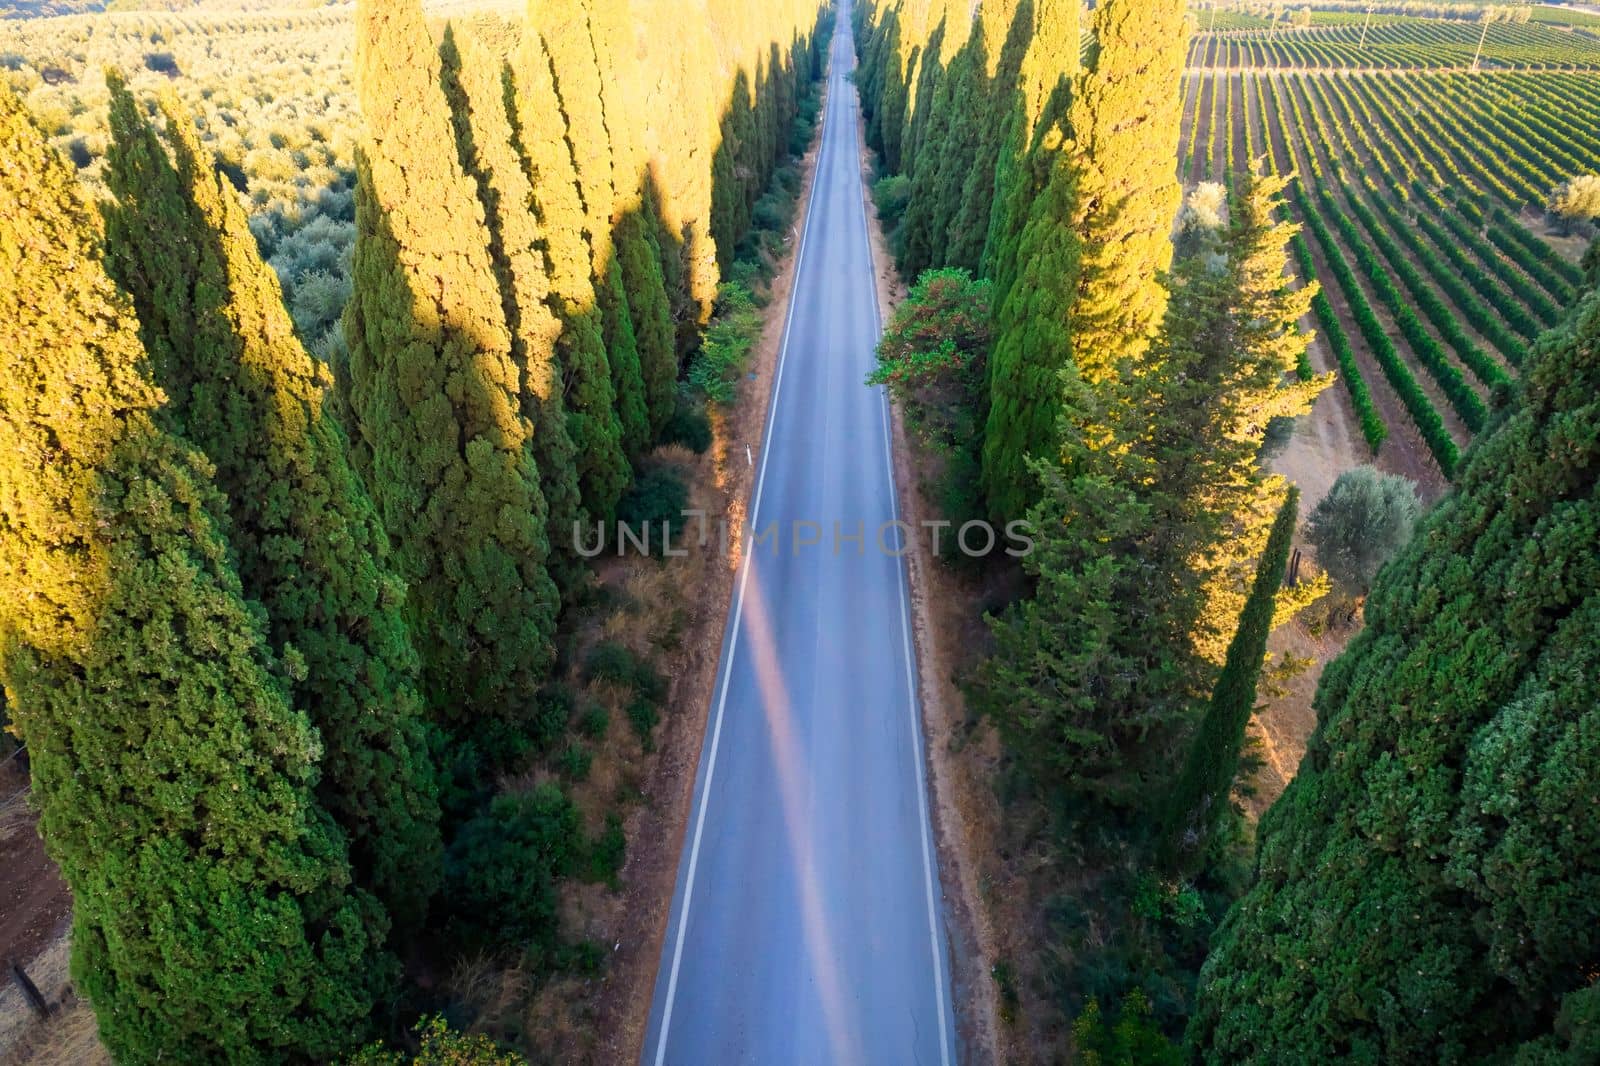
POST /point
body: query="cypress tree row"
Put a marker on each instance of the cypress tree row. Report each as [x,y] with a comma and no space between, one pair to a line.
[475,88]
[1094,678]
[1033,132]
[1118,212]
[303,530]
[1428,887]
[1200,795]
[445,442]
[569,40]
[213,915]
[931,145]
[540,135]
[1002,38]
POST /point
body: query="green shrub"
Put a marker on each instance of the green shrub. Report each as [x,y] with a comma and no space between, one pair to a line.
[611,662]
[688,426]
[642,713]
[607,851]
[594,722]
[891,196]
[658,496]
[501,869]
[574,763]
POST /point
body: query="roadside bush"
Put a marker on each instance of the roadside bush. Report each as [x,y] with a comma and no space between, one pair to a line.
[658,496]
[891,196]
[688,426]
[501,870]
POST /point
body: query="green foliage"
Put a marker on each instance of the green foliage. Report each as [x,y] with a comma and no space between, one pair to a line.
[1200,796]
[1132,1040]
[640,258]
[476,92]
[1033,345]
[501,870]
[725,350]
[689,426]
[304,532]
[1363,521]
[933,356]
[213,914]
[445,442]
[439,1045]
[658,498]
[1438,829]
[890,195]
[539,132]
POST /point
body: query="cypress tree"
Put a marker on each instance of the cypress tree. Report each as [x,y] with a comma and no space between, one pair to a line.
[1221,385]
[947,144]
[213,916]
[1098,299]
[1004,29]
[1032,131]
[304,532]
[639,256]
[475,88]
[435,393]
[569,39]
[539,133]
[1126,112]
[622,350]
[1033,343]
[1198,799]
[634,234]
[1440,831]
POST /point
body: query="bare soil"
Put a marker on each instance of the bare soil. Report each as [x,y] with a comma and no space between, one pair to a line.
[35,913]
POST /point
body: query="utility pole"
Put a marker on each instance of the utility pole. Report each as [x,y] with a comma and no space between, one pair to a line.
[1488,17]
[1364,26]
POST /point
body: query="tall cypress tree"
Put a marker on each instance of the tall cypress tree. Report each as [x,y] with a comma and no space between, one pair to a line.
[938,154]
[1201,792]
[475,87]
[1033,131]
[435,392]
[304,531]
[568,37]
[1033,344]
[1004,29]
[634,235]
[213,916]
[540,134]
[1127,111]
[1428,887]
[1231,386]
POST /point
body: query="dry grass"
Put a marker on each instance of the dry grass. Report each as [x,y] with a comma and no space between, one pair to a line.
[68,1037]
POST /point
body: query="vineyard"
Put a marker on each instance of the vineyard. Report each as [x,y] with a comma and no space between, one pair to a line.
[1422,196]
[1394,44]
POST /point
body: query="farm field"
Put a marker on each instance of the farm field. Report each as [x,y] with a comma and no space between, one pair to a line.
[1422,196]
[1397,43]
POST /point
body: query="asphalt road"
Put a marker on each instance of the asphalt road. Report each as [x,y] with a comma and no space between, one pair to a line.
[807,925]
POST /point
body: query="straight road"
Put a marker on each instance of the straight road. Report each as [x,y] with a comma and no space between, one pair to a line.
[807,925]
